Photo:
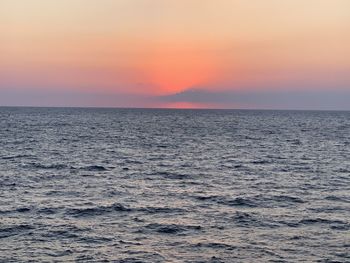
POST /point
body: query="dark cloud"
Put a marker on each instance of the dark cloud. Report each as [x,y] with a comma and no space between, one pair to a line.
[283,99]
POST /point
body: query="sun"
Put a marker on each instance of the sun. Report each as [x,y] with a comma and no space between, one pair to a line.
[176,69]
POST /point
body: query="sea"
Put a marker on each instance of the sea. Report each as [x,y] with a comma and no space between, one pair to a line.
[171,185]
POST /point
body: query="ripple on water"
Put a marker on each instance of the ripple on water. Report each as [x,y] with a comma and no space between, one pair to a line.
[97,210]
[13,230]
[170,228]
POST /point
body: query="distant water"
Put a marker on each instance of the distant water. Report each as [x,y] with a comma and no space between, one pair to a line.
[134,185]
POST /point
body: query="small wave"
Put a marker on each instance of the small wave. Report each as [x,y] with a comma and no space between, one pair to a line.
[8,184]
[15,157]
[215,245]
[238,201]
[60,253]
[171,228]
[23,209]
[244,219]
[294,141]
[333,224]
[46,166]
[260,162]
[99,210]
[208,197]
[128,161]
[169,175]
[343,170]
[337,198]
[328,209]
[4,211]
[62,233]
[17,210]
[251,138]
[343,227]
[276,157]
[87,175]
[162,146]
[233,166]
[94,168]
[14,230]
[130,243]
[253,201]
[160,210]
[142,257]
[85,258]
[287,199]
[48,211]
[311,221]
[95,239]
[66,231]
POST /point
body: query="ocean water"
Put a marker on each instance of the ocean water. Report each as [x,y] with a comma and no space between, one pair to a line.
[137,185]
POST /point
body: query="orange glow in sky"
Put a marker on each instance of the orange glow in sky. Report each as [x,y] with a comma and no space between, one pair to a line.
[175,69]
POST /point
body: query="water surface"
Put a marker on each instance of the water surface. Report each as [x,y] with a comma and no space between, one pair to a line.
[136,185]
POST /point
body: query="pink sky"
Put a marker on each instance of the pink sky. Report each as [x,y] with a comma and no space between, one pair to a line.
[141,51]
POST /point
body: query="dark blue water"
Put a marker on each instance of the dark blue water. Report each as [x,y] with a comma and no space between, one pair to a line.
[133,185]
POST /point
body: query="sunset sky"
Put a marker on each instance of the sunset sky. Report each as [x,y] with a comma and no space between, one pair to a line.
[286,54]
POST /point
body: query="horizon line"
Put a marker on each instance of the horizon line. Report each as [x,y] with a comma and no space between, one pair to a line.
[172,108]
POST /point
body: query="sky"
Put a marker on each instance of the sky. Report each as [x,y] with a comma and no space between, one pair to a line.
[271,54]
